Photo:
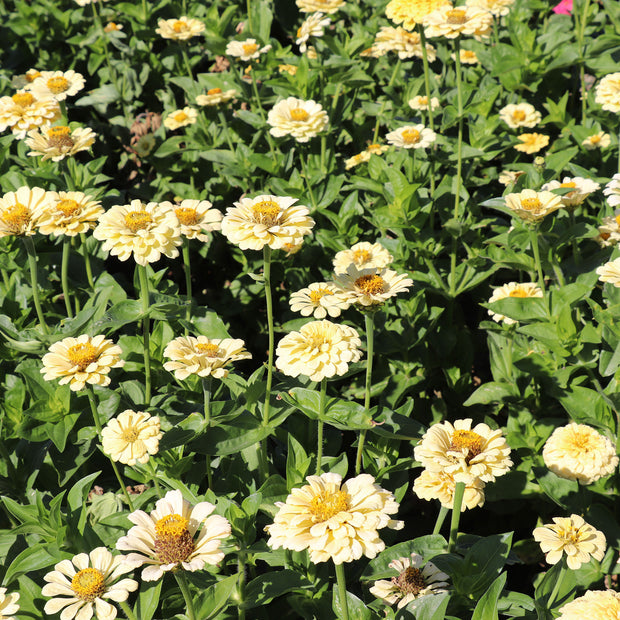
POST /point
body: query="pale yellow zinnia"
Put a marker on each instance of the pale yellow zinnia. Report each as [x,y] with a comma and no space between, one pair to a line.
[364,255]
[196,217]
[610,272]
[180,29]
[452,22]
[532,142]
[20,211]
[517,115]
[512,289]
[324,6]
[533,206]
[372,286]
[599,140]
[8,604]
[440,485]
[70,214]
[498,8]
[608,92]
[319,299]
[215,96]
[57,84]
[246,50]
[131,437]
[180,118]
[23,112]
[411,137]
[406,44]
[594,604]
[412,12]
[297,118]
[58,142]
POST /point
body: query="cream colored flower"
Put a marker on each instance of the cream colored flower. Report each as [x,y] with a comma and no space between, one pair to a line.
[318,299]
[58,142]
[196,217]
[406,44]
[513,289]
[610,272]
[202,356]
[20,211]
[612,191]
[533,206]
[579,452]
[57,84]
[312,26]
[131,437]
[451,22]
[25,80]
[334,520]
[594,604]
[420,102]
[410,13]
[498,8]
[246,50]
[414,580]
[372,286]
[582,189]
[363,255]
[608,92]
[600,140]
[440,485]
[318,350]
[85,2]
[83,584]
[411,137]
[180,118]
[609,230]
[145,231]
[180,29]
[166,539]
[23,112]
[571,536]
[464,452]
[297,118]
[266,220]
[8,604]
[509,177]
[532,142]
[324,6]
[364,156]
[468,57]
[517,115]
[81,360]
[69,213]
[290,69]
[112,27]
[215,96]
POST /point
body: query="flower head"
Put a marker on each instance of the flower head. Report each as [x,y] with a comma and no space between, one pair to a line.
[468,57]
[297,118]
[564,7]
[498,8]
[246,50]
[582,188]
[513,289]
[58,142]
[571,536]
[202,356]
[311,27]
[363,255]
[20,211]
[319,300]
[420,102]
[600,140]
[334,520]
[8,604]
[57,84]
[532,142]
[112,27]
[609,230]
[24,112]
[372,286]
[440,485]
[610,272]
[464,451]
[517,115]
[406,44]
[180,29]
[324,6]
[509,177]
[608,92]
[180,118]
[70,214]
[414,579]
[83,584]
[612,191]
[131,437]
[599,604]
[25,80]
[410,13]
[451,22]
[196,217]
[411,137]
[533,206]
[215,96]
[364,156]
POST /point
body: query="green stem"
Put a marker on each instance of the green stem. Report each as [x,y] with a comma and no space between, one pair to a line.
[576,255]
[89,271]
[241,584]
[556,587]
[581,31]
[6,279]
[184,587]
[66,249]
[187,268]
[249,10]
[264,119]
[319,446]
[441,517]
[206,391]
[536,251]
[375,135]
[427,73]
[342,590]
[459,491]
[369,323]
[459,146]
[153,469]
[144,296]
[34,281]
[323,149]
[188,67]
[127,610]
[304,167]
[224,122]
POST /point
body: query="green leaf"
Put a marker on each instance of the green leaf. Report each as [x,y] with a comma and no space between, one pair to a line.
[427,608]
[225,439]
[77,498]
[487,606]
[266,587]
[356,608]
[31,559]
[148,599]
[555,487]
[492,392]
[216,598]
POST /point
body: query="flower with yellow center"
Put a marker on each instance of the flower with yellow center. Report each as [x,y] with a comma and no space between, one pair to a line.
[57,84]
[324,6]
[532,142]
[131,437]
[610,272]
[215,96]
[144,231]
[196,217]
[533,206]
[180,29]
[513,289]
[581,187]
[83,584]
[579,452]
[166,539]
[286,68]
[414,580]
[608,92]
[600,140]
[297,118]
[420,102]
[609,231]
[406,44]
[202,356]
[112,27]
[464,452]
[411,137]
[364,156]
[363,255]
[612,191]
[58,142]
[8,604]
[440,485]
[409,13]
[180,118]
[70,214]
[246,50]
[269,220]
[509,177]
[498,8]
[594,604]
[25,80]
[571,536]
[517,115]
[319,350]
[318,299]
[23,112]
[372,286]
[82,360]
[468,57]
[20,211]
[334,520]
[312,26]
[452,22]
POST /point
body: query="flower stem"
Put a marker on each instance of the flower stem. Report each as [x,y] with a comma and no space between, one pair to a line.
[34,282]
[89,271]
[556,587]
[380,115]
[264,118]
[459,146]
[319,446]
[536,252]
[187,268]
[188,67]
[459,492]
[184,587]
[224,123]
[370,339]
[441,517]
[206,391]
[127,610]
[144,296]
[66,249]
[304,168]
[241,584]
[581,31]
[342,590]
[249,9]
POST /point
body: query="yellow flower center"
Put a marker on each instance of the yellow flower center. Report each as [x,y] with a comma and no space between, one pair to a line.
[179,26]
[298,32]
[325,507]
[583,442]
[130,434]
[371,284]
[138,220]
[111,26]
[423,100]
[374,148]
[173,542]
[411,136]
[518,292]
[180,117]
[249,48]
[361,256]
[82,355]
[456,17]
[67,206]
[518,116]
[410,581]
[214,91]
[186,215]
[569,184]
[595,139]
[23,99]
[315,296]
[88,584]
[58,84]
[210,350]
[59,136]
[531,204]
[299,114]
[467,440]
[16,217]
[617,218]
[32,75]
[266,212]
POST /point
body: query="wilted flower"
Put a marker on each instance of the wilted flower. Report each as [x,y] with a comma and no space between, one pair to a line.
[410,13]
[69,213]
[8,604]
[131,437]
[196,217]
[246,50]
[451,22]
[363,255]
[319,300]
[440,485]
[57,84]
[20,211]
[517,115]
[599,604]
[180,118]
[180,29]
[513,289]
[411,137]
[215,96]
[608,92]
[533,206]
[297,118]
[372,286]
[324,6]
[58,142]
[600,140]
[420,102]
[582,189]
[532,142]
[610,272]
[311,27]
[23,112]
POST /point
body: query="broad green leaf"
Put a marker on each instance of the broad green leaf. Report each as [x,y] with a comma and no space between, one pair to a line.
[487,606]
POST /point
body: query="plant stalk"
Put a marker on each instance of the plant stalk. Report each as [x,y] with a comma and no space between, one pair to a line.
[146,330]
[319,447]
[459,492]
[66,250]
[369,323]
[342,590]
[184,587]
[34,281]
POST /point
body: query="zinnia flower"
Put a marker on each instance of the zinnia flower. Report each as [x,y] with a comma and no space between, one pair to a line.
[58,142]
[57,84]
[246,50]
[464,452]
[371,287]
[297,118]
[8,604]
[532,142]
[410,13]
[612,191]
[165,539]
[311,27]
[20,211]
[451,22]
[23,112]
[144,231]
[411,137]
[414,580]
[196,217]
[608,92]
[498,8]
[334,520]
[364,156]
[319,300]
[579,452]
[25,80]
[320,349]
[509,177]
[467,57]
[533,206]
[81,360]
[83,583]
[180,29]
[180,118]
[610,272]
[582,189]
[513,289]
[202,356]
[420,102]
[571,536]
[69,213]
[215,96]
[609,230]
[406,44]
[440,485]
[363,255]
[325,6]
[131,437]
[600,140]
[266,220]
[595,604]
[564,7]
[517,115]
